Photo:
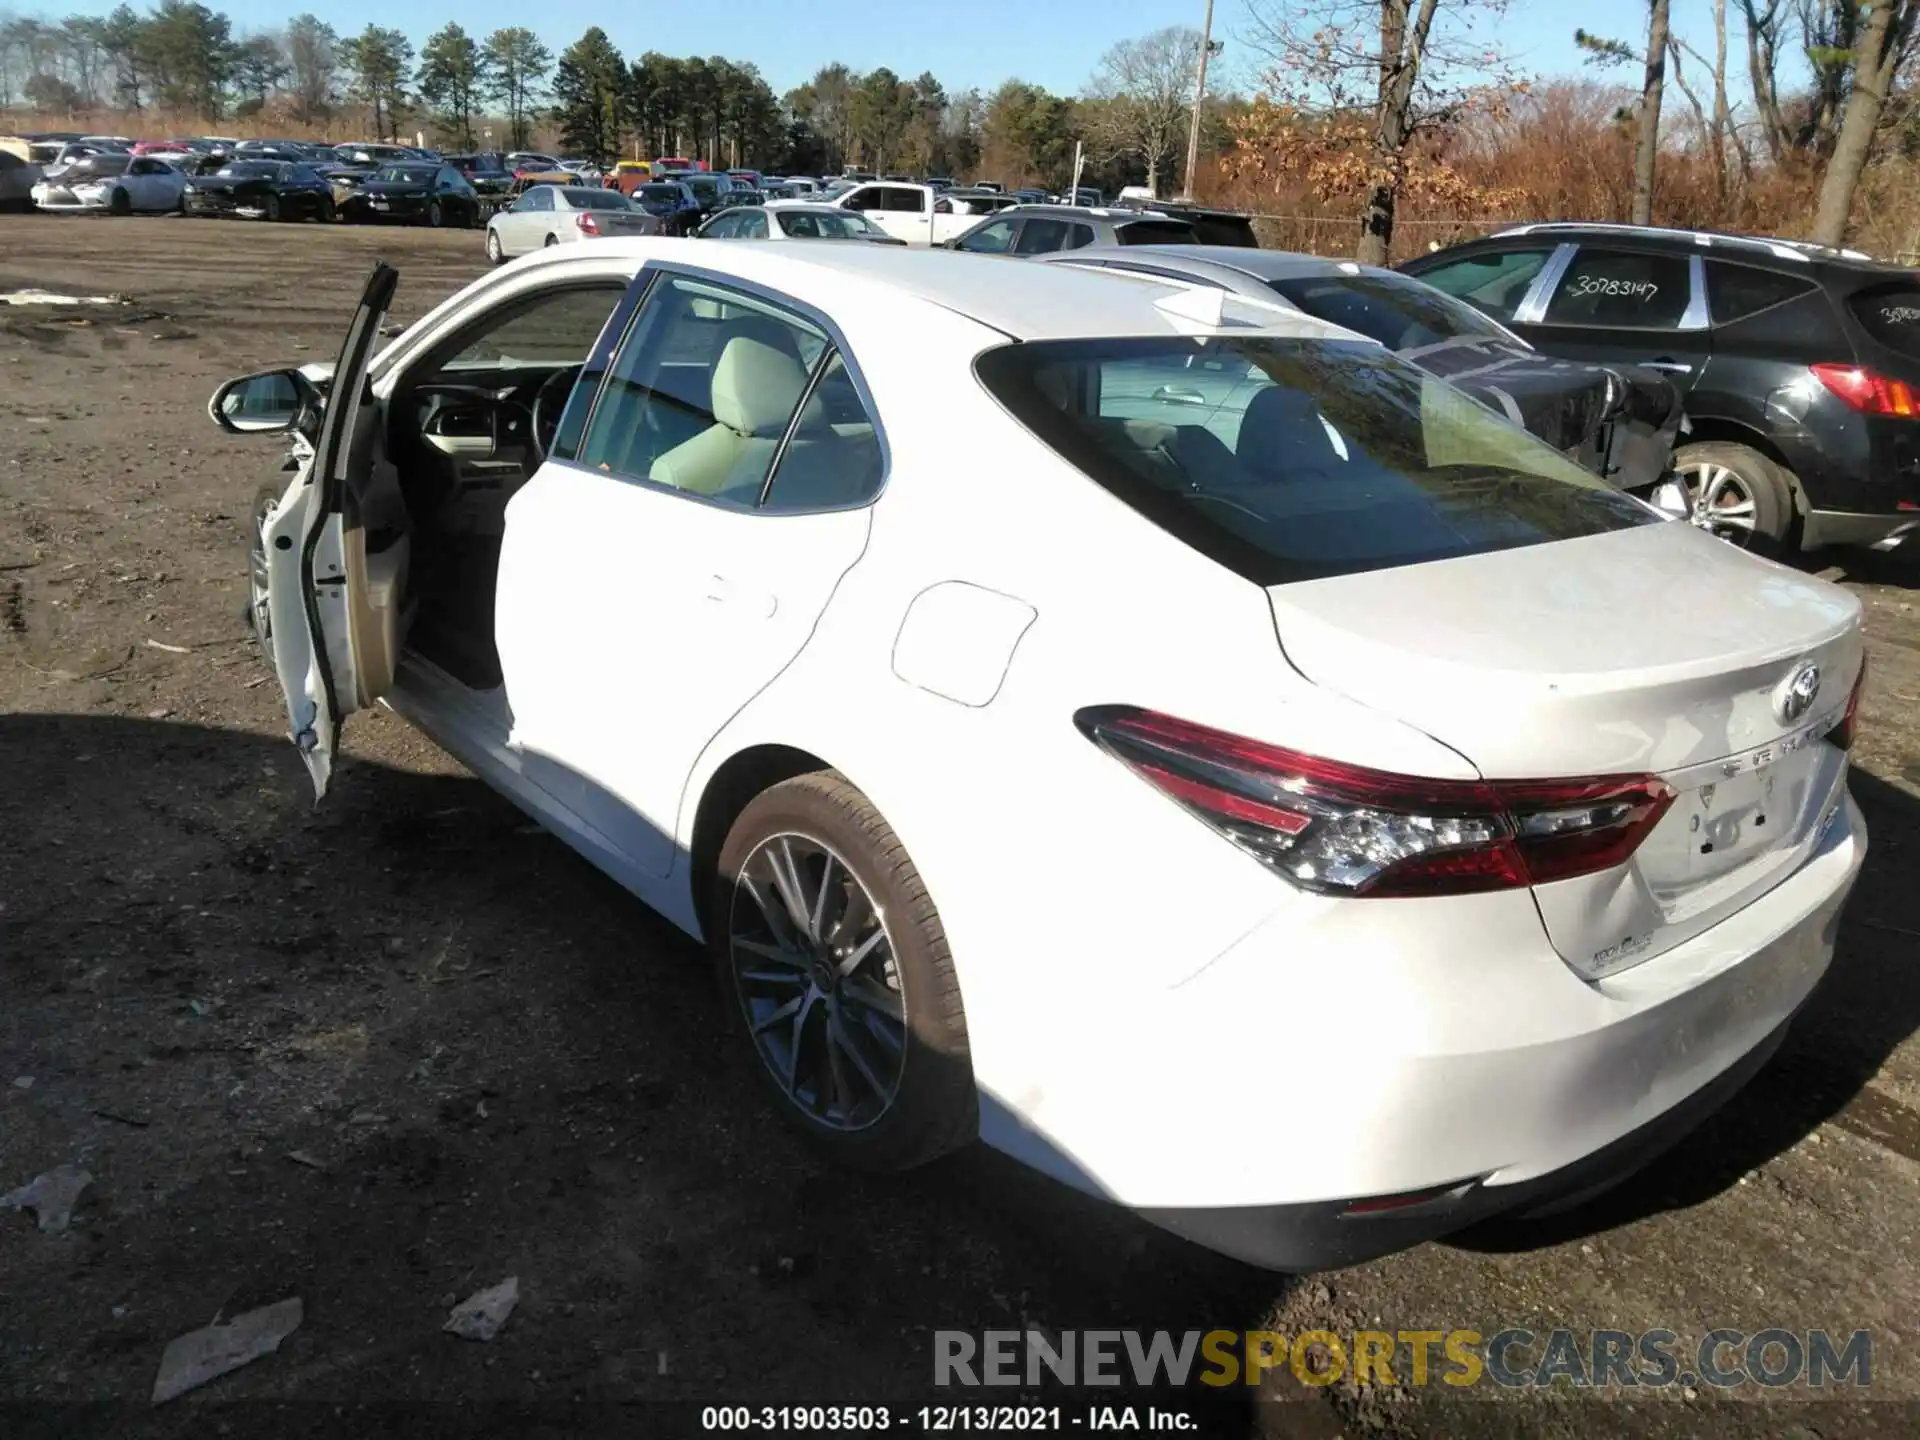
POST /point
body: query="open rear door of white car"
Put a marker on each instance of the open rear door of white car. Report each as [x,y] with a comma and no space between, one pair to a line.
[331,603]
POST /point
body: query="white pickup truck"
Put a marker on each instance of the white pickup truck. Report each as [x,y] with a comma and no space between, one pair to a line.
[917,214]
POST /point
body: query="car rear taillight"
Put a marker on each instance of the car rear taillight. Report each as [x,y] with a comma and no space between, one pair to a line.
[1870,392]
[1844,734]
[586,223]
[1340,829]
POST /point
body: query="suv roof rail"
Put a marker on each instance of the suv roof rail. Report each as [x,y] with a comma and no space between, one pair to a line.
[1779,249]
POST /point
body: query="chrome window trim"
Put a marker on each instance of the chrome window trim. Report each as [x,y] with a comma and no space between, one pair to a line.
[1533,305]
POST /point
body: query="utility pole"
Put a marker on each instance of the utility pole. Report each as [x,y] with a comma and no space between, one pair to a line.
[1199,99]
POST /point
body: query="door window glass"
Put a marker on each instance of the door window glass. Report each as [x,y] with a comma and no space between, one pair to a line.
[1622,289]
[833,460]
[753,226]
[556,327]
[993,239]
[1737,291]
[702,391]
[1496,283]
[1039,236]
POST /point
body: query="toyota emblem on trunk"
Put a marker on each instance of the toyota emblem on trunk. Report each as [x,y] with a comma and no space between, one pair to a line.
[1796,697]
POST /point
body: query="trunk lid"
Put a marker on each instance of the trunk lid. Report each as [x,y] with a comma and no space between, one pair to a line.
[1656,650]
[625,222]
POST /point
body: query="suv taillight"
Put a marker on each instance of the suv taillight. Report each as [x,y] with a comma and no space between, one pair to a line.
[1844,734]
[1340,829]
[1868,391]
[588,225]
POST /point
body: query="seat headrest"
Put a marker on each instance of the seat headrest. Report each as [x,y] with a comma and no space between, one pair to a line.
[1282,429]
[755,387]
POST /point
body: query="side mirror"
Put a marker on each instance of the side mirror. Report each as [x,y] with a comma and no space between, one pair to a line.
[271,400]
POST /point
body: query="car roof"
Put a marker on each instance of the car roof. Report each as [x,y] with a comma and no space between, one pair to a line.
[1026,302]
[1218,260]
[1797,251]
[1081,212]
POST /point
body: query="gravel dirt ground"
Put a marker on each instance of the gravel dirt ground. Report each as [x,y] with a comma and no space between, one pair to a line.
[389,1051]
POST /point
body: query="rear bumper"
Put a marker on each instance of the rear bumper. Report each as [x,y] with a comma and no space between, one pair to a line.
[1845,527]
[1302,1238]
[1374,1049]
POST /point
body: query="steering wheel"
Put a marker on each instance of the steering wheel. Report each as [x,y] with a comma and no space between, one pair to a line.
[549,403]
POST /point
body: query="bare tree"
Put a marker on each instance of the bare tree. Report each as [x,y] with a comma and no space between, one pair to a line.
[1648,150]
[1143,88]
[1389,68]
[1765,28]
[1884,34]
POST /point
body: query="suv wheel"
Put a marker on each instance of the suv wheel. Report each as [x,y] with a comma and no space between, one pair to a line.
[1737,493]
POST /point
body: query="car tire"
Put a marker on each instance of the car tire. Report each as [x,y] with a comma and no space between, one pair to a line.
[896,1107]
[495,254]
[119,203]
[274,211]
[436,217]
[551,239]
[327,212]
[1737,494]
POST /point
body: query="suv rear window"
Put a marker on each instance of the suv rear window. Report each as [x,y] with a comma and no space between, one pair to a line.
[1154,232]
[1737,291]
[1891,316]
[1287,459]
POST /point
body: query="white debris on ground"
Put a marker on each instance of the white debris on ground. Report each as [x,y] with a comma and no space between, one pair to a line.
[50,1196]
[481,1314]
[54,297]
[191,1360]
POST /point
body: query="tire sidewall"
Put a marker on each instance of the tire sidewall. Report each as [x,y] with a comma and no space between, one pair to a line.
[435,216]
[936,1108]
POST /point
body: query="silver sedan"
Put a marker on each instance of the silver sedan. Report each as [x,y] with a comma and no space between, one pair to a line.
[557,214]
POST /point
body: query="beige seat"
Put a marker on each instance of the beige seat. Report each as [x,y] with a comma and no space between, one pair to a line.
[755,389]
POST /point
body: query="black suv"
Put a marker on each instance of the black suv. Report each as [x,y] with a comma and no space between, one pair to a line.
[1800,365]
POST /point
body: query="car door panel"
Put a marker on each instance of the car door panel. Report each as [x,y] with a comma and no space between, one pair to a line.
[334,600]
[634,620]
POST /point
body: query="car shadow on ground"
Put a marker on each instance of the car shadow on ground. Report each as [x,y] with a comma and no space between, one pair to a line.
[1865,1008]
[384,1051]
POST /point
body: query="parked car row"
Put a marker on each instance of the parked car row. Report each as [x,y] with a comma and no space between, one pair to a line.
[1381,732]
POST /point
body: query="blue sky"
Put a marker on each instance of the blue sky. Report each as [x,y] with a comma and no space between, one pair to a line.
[1055,43]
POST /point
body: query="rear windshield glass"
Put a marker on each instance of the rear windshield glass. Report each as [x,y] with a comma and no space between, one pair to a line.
[1156,232]
[1891,316]
[582,198]
[1287,459]
[252,169]
[1400,314]
[408,174]
[660,194]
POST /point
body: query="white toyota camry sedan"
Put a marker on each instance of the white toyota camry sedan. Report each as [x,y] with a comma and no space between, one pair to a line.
[1162,735]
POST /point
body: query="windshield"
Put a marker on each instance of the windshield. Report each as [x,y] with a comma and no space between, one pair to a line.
[703,184]
[1287,459]
[1401,314]
[252,169]
[98,165]
[407,174]
[826,224]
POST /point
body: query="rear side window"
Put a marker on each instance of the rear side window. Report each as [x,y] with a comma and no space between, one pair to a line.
[1737,291]
[1288,459]
[1622,289]
[1156,232]
[1891,316]
[993,239]
[1495,283]
[1401,314]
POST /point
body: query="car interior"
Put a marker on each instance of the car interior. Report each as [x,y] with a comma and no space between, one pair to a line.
[701,398]
[466,428]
